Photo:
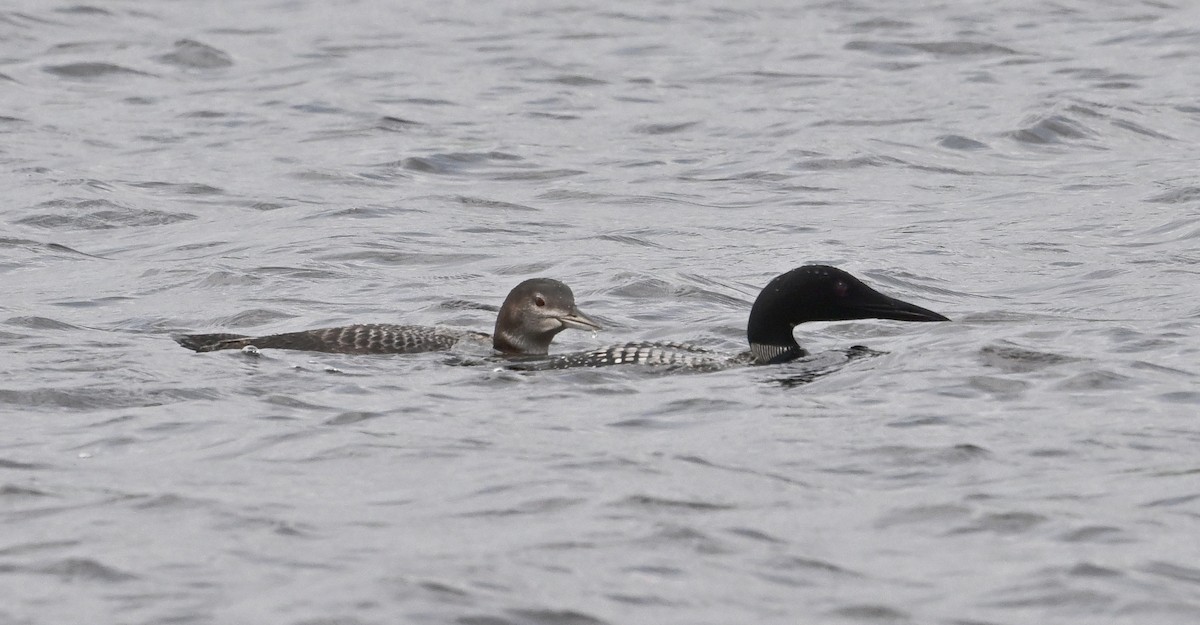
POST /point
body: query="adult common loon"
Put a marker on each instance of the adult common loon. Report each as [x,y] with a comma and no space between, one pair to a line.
[532,314]
[807,293]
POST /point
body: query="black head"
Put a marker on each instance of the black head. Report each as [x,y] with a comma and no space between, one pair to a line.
[818,293]
[535,311]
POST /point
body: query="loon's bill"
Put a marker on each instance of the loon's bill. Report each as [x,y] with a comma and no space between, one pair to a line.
[533,313]
[807,293]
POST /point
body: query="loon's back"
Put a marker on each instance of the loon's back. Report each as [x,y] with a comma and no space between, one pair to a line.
[670,354]
[375,338]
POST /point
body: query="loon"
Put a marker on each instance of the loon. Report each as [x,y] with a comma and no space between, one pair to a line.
[532,314]
[806,293]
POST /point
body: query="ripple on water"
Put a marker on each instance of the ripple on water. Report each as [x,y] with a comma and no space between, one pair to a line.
[486,203]
[89,214]
[1189,574]
[189,54]
[98,397]
[81,570]
[82,9]
[945,49]
[1097,381]
[958,142]
[664,128]
[1053,128]
[405,259]
[672,535]
[1001,388]
[12,494]
[1012,359]
[909,456]
[391,123]
[534,617]
[251,318]
[178,188]
[923,515]
[23,466]
[456,163]
[1003,523]
[1182,195]
[40,323]
[872,613]
[93,70]
[1054,594]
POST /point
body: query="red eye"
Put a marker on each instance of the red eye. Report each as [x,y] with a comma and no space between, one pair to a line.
[540,302]
[841,288]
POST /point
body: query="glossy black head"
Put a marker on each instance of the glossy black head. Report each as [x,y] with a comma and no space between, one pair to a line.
[533,313]
[818,293]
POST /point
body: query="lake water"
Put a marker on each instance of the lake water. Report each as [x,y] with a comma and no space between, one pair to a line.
[1028,169]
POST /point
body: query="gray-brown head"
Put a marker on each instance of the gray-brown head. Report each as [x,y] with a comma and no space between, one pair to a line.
[535,311]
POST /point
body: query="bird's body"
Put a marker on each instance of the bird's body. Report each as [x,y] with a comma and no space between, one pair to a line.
[657,354]
[373,338]
[807,293]
[532,314]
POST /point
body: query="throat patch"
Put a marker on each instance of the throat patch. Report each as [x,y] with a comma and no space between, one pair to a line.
[772,354]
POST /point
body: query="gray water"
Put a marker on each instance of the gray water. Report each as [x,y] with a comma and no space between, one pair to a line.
[1028,169]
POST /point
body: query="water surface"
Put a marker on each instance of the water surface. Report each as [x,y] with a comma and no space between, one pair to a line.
[1027,169]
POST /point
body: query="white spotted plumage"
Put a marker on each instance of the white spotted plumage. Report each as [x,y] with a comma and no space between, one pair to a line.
[652,354]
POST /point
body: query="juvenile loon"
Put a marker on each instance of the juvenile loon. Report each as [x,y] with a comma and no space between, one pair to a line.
[532,314]
[807,293]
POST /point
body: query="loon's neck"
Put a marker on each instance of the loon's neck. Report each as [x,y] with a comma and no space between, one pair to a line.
[508,341]
[770,337]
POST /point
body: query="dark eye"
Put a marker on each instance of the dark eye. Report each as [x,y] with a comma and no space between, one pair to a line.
[539,301]
[840,288]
